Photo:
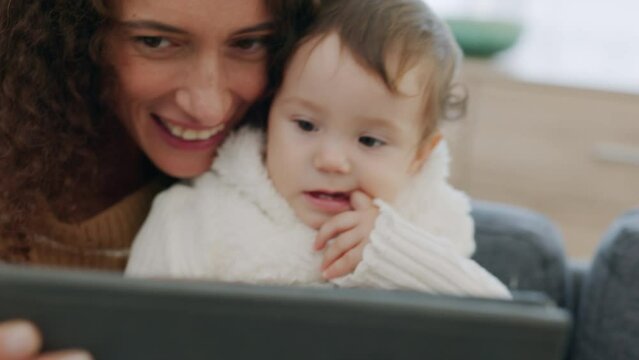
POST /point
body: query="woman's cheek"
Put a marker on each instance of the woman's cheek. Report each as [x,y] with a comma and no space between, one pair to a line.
[248,80]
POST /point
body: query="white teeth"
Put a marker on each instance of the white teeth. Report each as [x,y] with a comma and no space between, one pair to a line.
[330,196]
[175,130]
[190,134]
[203,135]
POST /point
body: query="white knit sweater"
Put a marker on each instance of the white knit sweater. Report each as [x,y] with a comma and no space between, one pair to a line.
[230,224]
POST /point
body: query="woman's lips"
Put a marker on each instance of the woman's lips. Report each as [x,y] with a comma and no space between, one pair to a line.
[183,138]
[187,133]
[329,202]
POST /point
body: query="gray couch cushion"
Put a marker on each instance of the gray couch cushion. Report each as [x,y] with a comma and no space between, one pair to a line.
[522,248]
[607,324]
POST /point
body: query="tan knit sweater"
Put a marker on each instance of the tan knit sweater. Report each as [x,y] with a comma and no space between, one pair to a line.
[101,242]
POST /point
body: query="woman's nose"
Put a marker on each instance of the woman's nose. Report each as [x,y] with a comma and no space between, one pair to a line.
[205,95]
[331,158]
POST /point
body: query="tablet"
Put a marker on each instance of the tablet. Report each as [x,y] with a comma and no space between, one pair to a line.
[118,318]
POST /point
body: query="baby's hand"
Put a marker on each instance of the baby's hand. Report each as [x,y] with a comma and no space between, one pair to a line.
[345,235]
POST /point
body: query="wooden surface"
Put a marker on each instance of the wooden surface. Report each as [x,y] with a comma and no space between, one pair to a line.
[570,154]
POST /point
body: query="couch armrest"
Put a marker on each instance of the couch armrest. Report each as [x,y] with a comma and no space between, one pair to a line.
[521,248]
[607,323]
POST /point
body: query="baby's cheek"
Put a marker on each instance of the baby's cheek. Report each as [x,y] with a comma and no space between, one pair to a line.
[382,186]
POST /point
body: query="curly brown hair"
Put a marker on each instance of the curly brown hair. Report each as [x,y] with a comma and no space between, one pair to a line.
[49,102]
[53,95]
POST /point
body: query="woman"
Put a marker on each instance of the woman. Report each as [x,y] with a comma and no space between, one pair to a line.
[103,102]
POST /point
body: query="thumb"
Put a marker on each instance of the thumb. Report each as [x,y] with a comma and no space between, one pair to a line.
[360,201]
[18,340]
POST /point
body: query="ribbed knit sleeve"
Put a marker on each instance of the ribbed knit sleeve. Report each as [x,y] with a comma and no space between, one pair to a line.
[403,256]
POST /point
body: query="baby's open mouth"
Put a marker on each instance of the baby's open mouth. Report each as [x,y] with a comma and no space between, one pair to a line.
[334,196]
[328,201]
[183,133]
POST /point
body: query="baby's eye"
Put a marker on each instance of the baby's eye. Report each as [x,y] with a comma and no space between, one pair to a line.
[369,141]
[153,42]
[305,125]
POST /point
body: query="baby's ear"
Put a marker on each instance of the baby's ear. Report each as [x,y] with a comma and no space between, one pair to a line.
[424,150]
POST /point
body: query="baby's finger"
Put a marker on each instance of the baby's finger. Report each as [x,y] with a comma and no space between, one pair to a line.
[360,200]
[340,246]
[334,226]
[345,264]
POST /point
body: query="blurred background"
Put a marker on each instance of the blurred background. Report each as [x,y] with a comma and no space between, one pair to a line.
[553,117]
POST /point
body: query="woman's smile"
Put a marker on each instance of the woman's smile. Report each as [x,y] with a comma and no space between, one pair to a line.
[188,133]
[182,138]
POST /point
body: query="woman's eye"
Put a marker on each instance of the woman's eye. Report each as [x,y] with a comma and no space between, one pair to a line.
[249,44]
[306,126]
[369,141]
[153,42]
[254,46]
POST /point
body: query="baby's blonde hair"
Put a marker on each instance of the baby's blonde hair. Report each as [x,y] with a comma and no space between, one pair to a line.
[375,30]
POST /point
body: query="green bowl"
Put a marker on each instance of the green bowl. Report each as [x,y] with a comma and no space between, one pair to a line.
[483,38]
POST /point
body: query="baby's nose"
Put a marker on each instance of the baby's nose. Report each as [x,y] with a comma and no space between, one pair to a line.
[332,159]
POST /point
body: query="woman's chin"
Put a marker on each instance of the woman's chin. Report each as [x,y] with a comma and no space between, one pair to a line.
[185,169]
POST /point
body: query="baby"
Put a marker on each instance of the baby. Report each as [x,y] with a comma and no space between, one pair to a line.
[348,185]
